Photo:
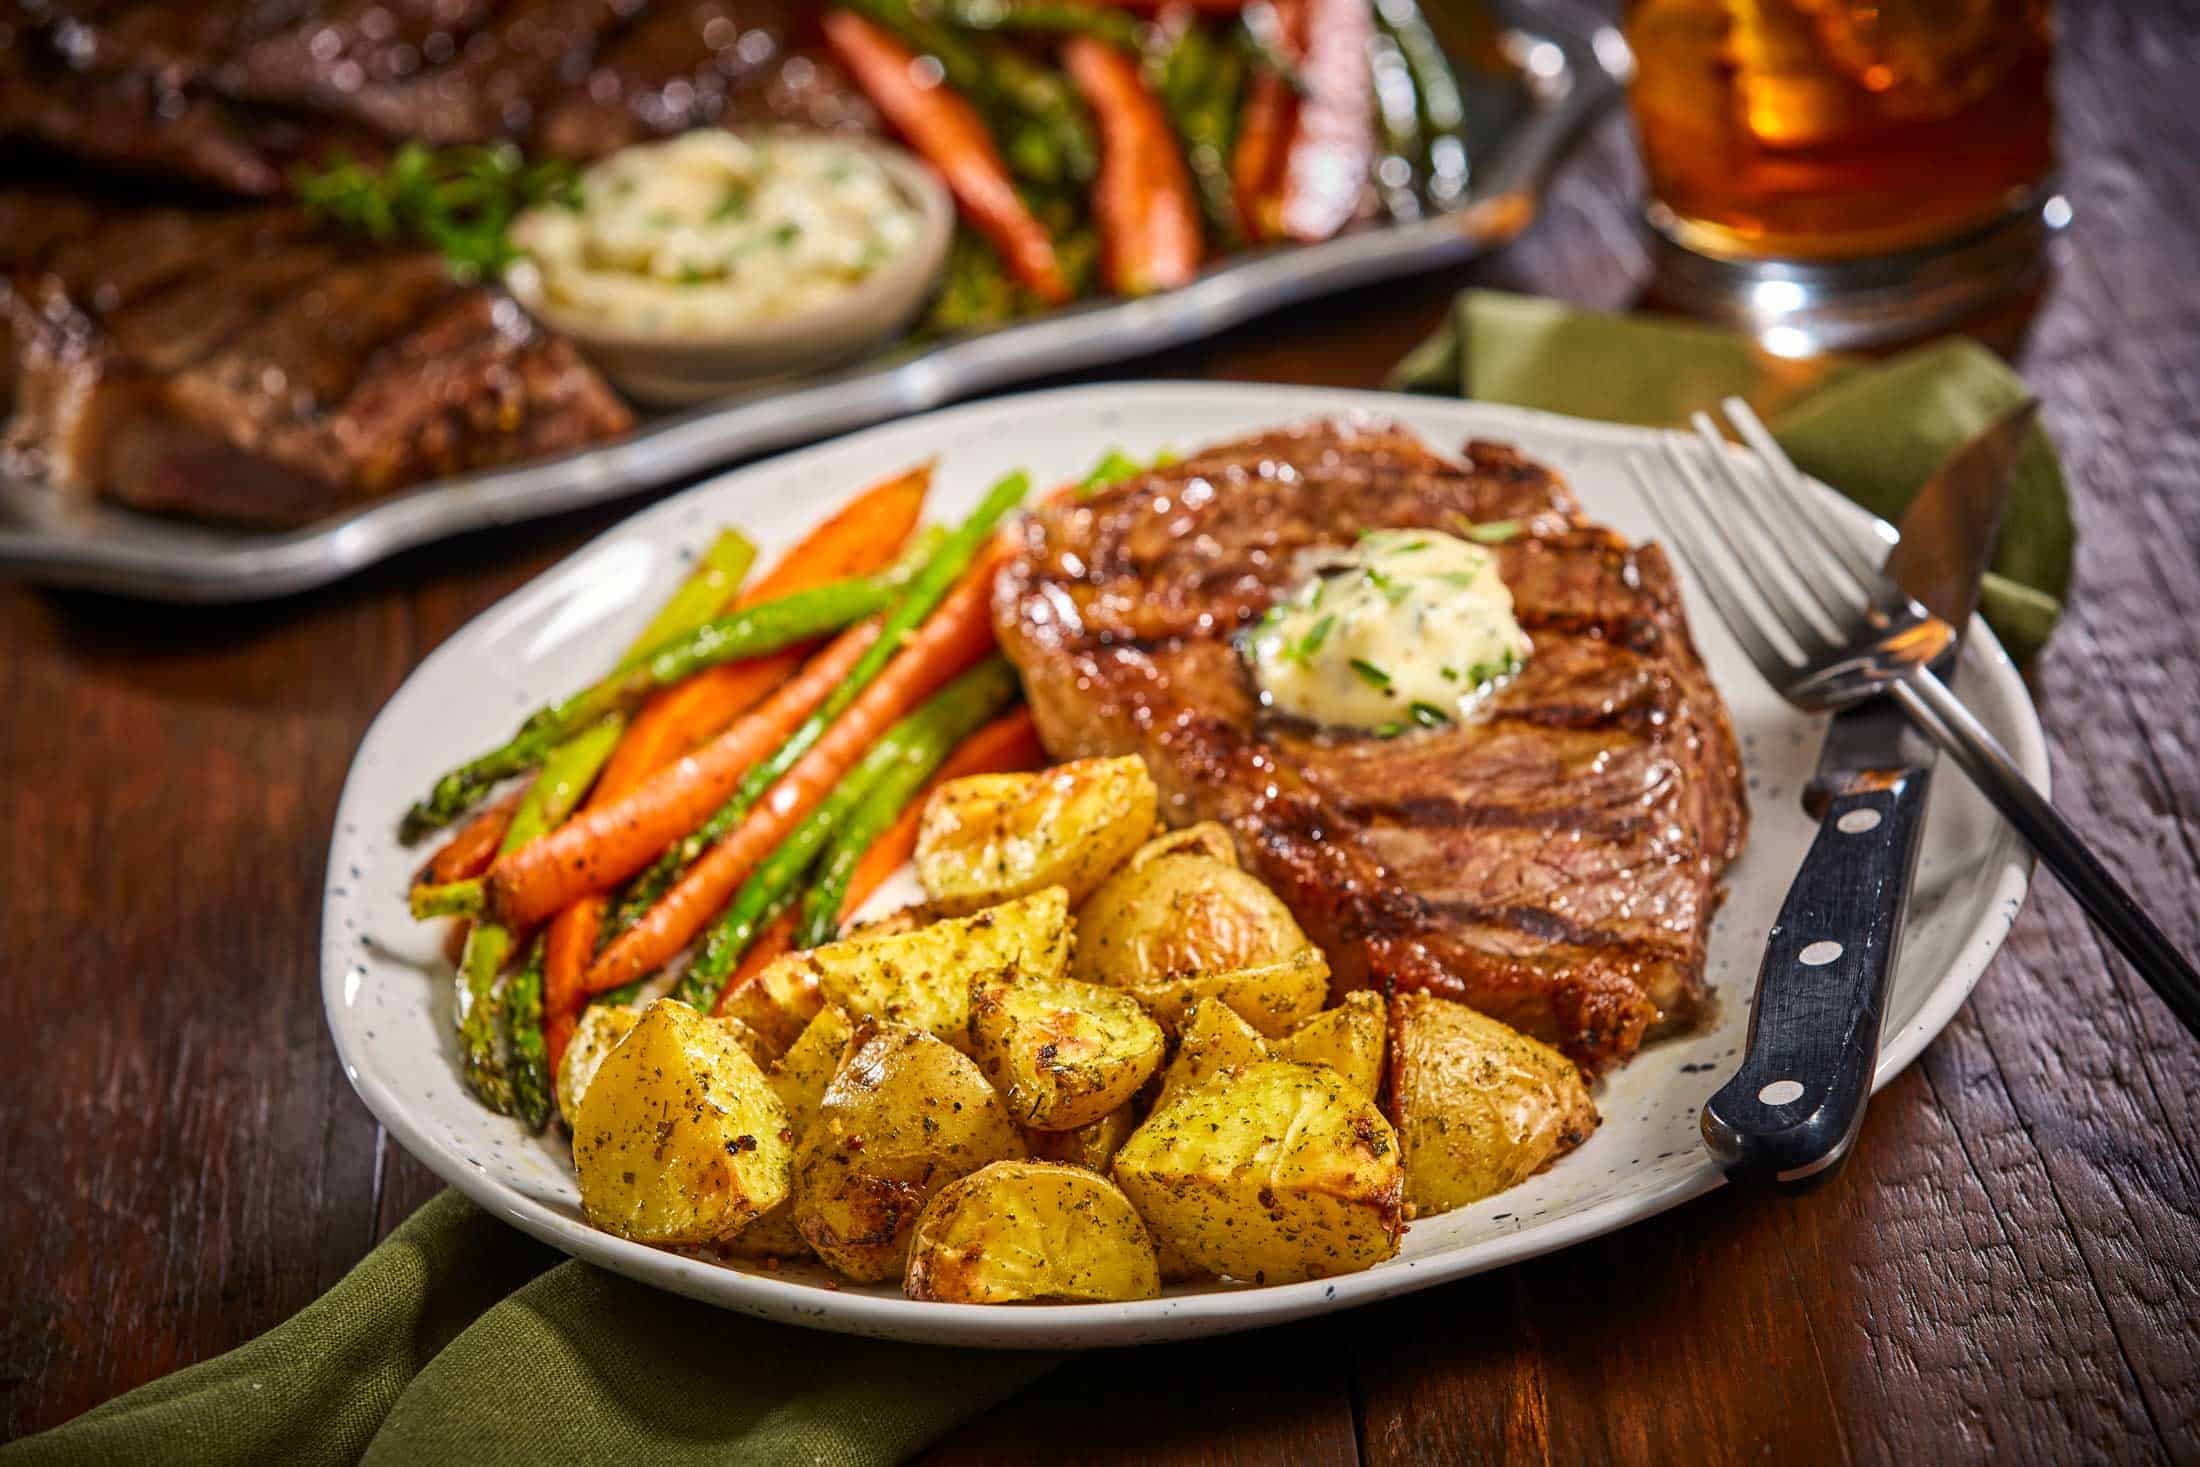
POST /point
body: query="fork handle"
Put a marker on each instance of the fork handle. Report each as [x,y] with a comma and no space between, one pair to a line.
[1940,714]
[1791,1111]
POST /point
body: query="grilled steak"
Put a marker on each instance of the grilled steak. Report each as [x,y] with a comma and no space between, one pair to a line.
[238,365]
[1553,864]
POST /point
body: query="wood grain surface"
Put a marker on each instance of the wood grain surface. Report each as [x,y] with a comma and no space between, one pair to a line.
[2007,1268]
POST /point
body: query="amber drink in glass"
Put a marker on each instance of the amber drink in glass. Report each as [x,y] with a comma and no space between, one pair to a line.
[1873,153]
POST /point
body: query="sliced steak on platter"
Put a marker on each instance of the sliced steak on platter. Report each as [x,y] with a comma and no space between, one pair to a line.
[239,365]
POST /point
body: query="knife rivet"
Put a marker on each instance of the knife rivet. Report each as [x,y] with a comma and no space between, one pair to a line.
[1818,954]
[1780,1092]
[1856,822]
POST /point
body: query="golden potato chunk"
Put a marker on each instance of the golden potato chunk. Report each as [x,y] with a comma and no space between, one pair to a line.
[1215,1038]
[988,838]
[1062,1053]
[799,1080]
[1207,838]
[1480,1106]
[1028,1230]
[1349,1038]
[778,1004]
[1272,997]
[680,1139]
[601,1028]
[1092,1145]
[1180,913]
[1272,1173]
[905,1116]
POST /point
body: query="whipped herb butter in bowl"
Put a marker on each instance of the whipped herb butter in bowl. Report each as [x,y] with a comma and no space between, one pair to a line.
[695,265]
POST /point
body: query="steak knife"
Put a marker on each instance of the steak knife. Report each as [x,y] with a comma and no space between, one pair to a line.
[1791,1112]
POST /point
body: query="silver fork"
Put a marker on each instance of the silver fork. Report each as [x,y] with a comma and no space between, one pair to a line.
[1835,630]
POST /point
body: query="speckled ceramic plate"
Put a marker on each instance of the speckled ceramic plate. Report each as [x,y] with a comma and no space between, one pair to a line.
[387,986]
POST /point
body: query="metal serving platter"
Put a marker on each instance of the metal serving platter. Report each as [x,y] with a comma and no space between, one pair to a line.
[1562,75]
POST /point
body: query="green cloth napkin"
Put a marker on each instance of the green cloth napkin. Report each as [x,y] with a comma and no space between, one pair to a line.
[1875,430]
[462,1341]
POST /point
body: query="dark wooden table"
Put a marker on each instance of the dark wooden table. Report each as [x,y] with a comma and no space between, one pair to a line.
[2008,1266]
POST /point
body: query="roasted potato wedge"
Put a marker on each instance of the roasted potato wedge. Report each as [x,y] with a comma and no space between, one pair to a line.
[1272,1173]
[904,1116]
[1215,1038]
[680,1139]
[1180,913]
[989,838]
[778,1004]
[1027,1230]
[1272,997]
[1092,1145]
[601,1028]
[799,1080]
[1062,1053]
[1207,838]
[1480,1107]
[1349,1038]
[924,977]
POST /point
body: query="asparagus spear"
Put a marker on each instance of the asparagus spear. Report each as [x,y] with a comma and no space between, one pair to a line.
[1443,111]
[1043,16]
[908,611]
[567,772]
[904,755]
[1398,113]
[531,1083]
[565,778]
[1199,82]
[750,632]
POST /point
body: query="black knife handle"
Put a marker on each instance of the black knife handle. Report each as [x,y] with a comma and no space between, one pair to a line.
[1791,1111]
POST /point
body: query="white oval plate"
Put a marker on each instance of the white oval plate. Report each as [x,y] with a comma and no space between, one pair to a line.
[387,986]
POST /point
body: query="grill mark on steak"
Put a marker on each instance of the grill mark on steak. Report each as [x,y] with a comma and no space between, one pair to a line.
[1553,863]
[236,365]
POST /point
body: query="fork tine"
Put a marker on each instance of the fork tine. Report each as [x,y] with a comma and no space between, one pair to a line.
[1774,665]
[1810,505]
[1810,640]
[1776,539]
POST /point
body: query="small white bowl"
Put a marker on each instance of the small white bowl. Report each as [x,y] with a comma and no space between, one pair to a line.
[675,371]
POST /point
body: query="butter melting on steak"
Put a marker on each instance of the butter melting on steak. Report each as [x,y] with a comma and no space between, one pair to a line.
[1553,864]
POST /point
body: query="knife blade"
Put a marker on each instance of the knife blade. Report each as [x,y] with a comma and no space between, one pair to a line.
[1791,1112]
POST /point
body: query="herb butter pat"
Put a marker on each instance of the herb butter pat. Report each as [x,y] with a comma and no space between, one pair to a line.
[1407,629]
[713,232]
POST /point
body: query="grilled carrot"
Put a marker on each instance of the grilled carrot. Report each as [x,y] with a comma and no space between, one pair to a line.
[948,131]
[862,538]
[1149,219]
[469,852]
[1332,148]
[1257,163]
[608,844]
[955,636]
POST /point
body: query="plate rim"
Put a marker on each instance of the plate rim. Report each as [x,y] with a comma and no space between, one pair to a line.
[1217,1311]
